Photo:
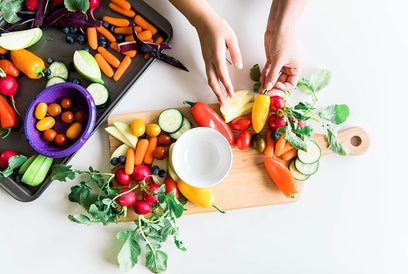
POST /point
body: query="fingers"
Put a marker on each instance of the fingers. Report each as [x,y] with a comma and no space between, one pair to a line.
[235,53]
[271,77]
[214,83]
[265,72]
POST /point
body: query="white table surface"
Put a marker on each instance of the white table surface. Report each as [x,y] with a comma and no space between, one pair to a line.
[351,218]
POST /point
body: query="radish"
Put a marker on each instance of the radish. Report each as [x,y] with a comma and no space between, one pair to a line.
[152,189]
[8,87]
[302,123]
[121,177]
[277,102]
[5,156]
[275,122]
[142,207]
[141,172]
[93,4]
[127,199]
[31,5]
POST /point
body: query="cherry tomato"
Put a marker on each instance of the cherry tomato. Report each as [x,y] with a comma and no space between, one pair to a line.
[138,127]
[80,116]
[67,117]
[61,139]
[241,123]
[153,130]
[54,109]
[171,186]
[74,131]
[160,153]
[164,140]
[40,111]
[66,102]
[45,123]
[49,135]
[244,140]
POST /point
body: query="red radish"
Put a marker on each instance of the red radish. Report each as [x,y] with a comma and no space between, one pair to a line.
[8,87]
[302,123]
[5,156]
[277,102]
[57,2]
[121,177]
[127,199]
[93,4]
[142,207]
[31,5]
[275,122]
[171,186]
[152,189]
[141,172]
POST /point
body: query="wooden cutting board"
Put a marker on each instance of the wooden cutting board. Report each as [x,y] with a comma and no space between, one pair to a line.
[247,184]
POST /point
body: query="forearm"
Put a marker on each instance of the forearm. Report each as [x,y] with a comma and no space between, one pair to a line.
[284,14]
[194,10]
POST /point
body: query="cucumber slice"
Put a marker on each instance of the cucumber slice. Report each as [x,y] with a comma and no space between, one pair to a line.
[99,93]
[170,120]
[187,125]
[312,154]
[306,169]
[26,164]
[58,69]
[296,174]
[54,80]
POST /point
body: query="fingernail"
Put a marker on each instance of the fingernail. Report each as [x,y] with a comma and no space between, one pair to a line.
[238,64]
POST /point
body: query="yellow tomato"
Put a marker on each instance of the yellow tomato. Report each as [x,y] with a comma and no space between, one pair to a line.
[40,111]
[74,131]
[153,130]
[45,123]
[138,127]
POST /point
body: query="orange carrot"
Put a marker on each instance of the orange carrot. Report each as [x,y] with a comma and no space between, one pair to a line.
[159,40]
[129,38]
[285,149]
[122,68]
[109,57]
[131,53]
[150,40]
[104,66]
[115,46]
[123,4]
[145,35]
[130,161]
[140,21]
[146,56]
[117,22]
[280,144]
[270,144]
[148,159]
[289,155]
[3,51]
[126,30]
[127,13]
[92,38]
[108,35]
[140,152]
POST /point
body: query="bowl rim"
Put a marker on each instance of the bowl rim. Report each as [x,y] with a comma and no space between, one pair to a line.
[86,132]
[186,135]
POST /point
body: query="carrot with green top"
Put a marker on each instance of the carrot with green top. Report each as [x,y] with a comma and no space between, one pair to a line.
[116,8]
[92,38]
[124,65]
[140,152]
[109,57]
[108,35]
[122,3]
[117,22]
[104,65]
[140,21]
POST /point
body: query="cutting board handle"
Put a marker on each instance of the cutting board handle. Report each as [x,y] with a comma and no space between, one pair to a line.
[355,139]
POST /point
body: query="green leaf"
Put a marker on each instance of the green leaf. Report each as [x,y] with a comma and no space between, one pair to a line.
[174,205]
[81,219]
[79,192]
[320,79]
[282,130]
[336,114]
[156,260]
[255,73]
[76,5]
[303,106]
[130,251]
[62,173]
[159,231]
[334,144]
[305,131]
[295,140]
[305,85]
[256,86]
[10,10]
[13,163]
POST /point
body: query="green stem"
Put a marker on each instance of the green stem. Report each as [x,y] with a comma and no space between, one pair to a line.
[144,236]
[189,102]
[126,192]
[8,132]
[217,208]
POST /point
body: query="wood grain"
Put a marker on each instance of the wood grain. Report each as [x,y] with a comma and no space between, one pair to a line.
[247,184]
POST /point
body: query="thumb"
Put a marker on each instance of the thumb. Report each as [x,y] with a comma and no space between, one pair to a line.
[235,53]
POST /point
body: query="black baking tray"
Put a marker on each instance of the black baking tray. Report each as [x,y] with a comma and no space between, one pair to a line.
[52,44]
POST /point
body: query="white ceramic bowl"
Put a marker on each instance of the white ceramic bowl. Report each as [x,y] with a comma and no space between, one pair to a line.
[202,157]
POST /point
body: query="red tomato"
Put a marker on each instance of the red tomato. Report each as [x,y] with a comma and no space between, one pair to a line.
[244,140]
[160,153]
[164,140]
[241,123]
[171,186]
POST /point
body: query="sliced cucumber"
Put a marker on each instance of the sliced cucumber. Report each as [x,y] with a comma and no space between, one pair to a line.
[187,125]
[170,120]
[99,93]
[312,154]
[26,164]
[58,69]
[306,169]
[296,174]
[54,80]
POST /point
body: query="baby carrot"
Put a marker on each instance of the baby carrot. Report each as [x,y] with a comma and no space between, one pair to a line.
[109,57]
[123,4]
[148,159]
[270,144]
[159,40]
[3,51]
[145,35]
[130,161]
[289,155]
[285,149]
[104,66]
[140,152]
[280,144]
[146,56]
[127,13]
[129,38]
[115,46]
[126,30]
[140,21]
[117,22]
[108,35]
[122,68]
[92,38]
[130,53]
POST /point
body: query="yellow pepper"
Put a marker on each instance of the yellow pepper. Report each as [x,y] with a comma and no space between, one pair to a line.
[260,111]
[203,197]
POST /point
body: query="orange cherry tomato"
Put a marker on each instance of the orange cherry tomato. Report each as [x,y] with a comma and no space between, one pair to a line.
[164,140]
[80,116]
[66,102]
[54,109]
[45,123]
[74,131]
[160,153]
[67,117]
[61,139]
[49,135]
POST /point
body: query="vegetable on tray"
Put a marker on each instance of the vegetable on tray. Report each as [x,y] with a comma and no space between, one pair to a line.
[28,63]
[8,117]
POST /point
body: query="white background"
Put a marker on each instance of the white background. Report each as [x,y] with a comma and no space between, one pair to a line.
[351,217]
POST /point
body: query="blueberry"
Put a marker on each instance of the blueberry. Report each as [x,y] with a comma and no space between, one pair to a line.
[69,39]
[65,30]
[50,60]
[155,170]
[103,44]
[47,72]
[105,24]
[76,81]
[122,160]
[86,49]
[275,136]
[119,38]
[81,39]
[162,173]
[73,30]
[143,136]
[111,28]
[17,178]
[114,161]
